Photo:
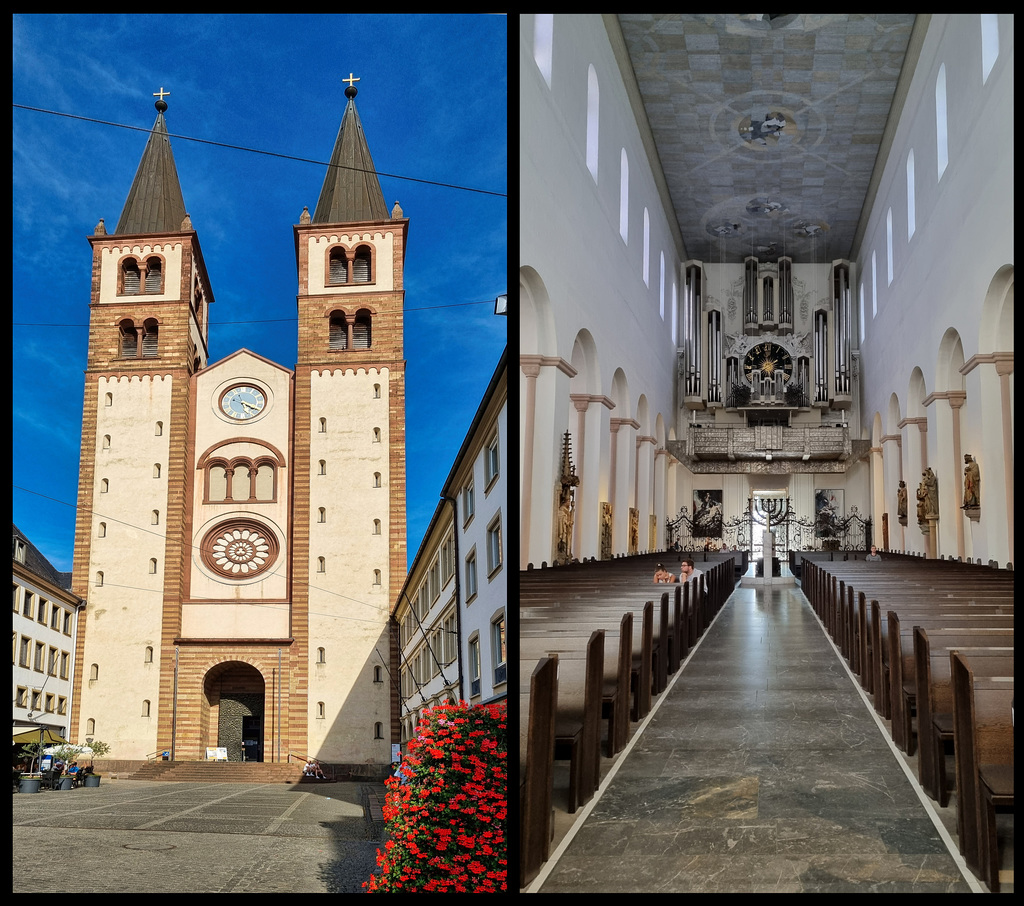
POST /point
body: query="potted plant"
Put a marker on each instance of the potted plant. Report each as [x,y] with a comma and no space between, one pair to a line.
[69,752]
[30,780]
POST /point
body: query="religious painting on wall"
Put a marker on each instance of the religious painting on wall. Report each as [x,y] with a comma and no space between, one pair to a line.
[707,514]
[828,513]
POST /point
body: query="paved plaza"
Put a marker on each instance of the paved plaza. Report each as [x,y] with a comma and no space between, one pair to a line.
[132,836]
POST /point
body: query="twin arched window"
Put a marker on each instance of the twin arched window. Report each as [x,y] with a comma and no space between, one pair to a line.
[145,276]
[139,342]
[349,333]
[346,266]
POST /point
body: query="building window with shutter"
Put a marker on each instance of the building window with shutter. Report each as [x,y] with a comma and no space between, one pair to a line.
[361,330]
[362,271]
[154,275]
[129,340]
[149,339]
[130,277]
[338,267]
[339,330]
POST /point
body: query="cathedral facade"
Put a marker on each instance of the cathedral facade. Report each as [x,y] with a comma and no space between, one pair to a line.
[241,524]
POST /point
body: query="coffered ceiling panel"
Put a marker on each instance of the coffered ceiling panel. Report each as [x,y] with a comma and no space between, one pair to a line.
[767,125]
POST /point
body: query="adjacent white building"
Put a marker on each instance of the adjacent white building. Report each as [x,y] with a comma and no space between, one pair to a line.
[45,625]
[451,612]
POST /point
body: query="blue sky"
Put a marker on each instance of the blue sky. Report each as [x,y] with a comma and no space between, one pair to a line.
[432,100]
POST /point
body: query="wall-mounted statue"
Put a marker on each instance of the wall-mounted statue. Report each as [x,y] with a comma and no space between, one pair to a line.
[922,498]
[972,482]
[606,530]
[634,530]
[901,502]
[566,507]
[931,484]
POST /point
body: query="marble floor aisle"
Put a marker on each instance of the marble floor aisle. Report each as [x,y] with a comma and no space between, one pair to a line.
[761,771]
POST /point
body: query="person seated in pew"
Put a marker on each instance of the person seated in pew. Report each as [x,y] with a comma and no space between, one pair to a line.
[663,575]
[873,557]
[687,572]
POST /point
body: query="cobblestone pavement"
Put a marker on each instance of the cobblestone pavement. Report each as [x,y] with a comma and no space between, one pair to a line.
[133,836]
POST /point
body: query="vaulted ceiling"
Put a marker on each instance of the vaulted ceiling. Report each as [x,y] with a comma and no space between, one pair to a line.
[768,126]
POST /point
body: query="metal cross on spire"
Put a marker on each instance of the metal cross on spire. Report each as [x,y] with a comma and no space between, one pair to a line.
[350,92]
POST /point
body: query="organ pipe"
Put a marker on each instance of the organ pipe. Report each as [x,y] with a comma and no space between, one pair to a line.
[714,357]
[820,357]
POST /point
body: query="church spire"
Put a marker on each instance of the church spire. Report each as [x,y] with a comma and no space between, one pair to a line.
[155,203]
[351,191]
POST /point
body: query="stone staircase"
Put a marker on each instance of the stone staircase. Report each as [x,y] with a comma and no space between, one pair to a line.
[219,772]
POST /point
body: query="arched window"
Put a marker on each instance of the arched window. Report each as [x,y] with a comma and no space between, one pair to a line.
[624,197]
[989,44]
[103,530]
[593,114]
[90,727]
[323,426]
[339,330]
[320,712]
[154,275]
[156,470]
[155,518]
[543,26]
[106,441]
[376,435]
[378,675]
[218,483]
[321,566]
[104,485]
[647,251]
[130,277]
[376,577]
[148,658]
[129,340]
[911,213]
[321,656]
[361,272]
[323,467]
[159,428]
[940,120]
[888,245]
[152,566]
[145,708]
[149,339]
[376,479]
[265,482]
[378,730]
[338,272]
[376,526]
[110,399]
[322,515]
[376,391]
[361,330]
[94,672]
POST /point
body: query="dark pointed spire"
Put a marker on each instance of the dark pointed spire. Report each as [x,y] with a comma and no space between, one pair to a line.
[155,203]
[351,190]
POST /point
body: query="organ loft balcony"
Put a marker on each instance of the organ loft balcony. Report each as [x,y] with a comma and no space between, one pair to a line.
[768,448]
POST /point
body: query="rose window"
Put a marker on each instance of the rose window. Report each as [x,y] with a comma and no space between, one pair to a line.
[240,550]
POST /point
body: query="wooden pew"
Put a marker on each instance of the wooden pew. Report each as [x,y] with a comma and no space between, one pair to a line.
[983,742]
[935,696]
[989,629]
[536,753]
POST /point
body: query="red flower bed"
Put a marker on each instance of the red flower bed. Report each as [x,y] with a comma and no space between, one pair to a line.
[445,813]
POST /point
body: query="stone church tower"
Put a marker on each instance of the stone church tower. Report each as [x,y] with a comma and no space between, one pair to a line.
[241,526]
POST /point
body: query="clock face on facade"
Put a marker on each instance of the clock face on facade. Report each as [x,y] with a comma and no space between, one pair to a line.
[769,359]
[243,402]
